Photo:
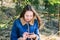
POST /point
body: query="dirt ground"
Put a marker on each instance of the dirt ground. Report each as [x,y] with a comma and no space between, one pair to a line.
[51,37]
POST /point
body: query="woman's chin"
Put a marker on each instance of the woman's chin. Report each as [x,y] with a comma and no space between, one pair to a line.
[28,20]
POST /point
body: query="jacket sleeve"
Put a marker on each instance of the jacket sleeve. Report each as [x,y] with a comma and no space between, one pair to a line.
[37,31]
[13,32]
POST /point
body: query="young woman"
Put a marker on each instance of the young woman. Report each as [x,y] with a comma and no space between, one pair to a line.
[26,27]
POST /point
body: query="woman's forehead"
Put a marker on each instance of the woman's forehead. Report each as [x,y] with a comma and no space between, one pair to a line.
[28,12]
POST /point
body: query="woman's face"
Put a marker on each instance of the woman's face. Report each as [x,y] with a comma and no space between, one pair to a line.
[28,16]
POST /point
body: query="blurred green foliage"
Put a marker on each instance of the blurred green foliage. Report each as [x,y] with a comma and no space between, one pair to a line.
[8,15]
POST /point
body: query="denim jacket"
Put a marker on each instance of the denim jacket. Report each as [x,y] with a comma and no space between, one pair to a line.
[18,29]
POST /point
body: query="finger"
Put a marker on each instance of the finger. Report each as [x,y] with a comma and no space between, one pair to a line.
[20,38]
[32,36]
[26,33]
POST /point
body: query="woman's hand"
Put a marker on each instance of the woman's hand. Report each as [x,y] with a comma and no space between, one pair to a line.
[20,38]
[33,36]
[25,35]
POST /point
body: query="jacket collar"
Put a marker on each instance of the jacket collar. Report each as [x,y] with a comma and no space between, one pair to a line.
[24,22]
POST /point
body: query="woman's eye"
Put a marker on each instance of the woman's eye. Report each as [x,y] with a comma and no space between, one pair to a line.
[27,16]
[31,16]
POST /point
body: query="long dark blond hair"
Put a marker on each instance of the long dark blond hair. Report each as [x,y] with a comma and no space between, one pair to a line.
[30,8]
